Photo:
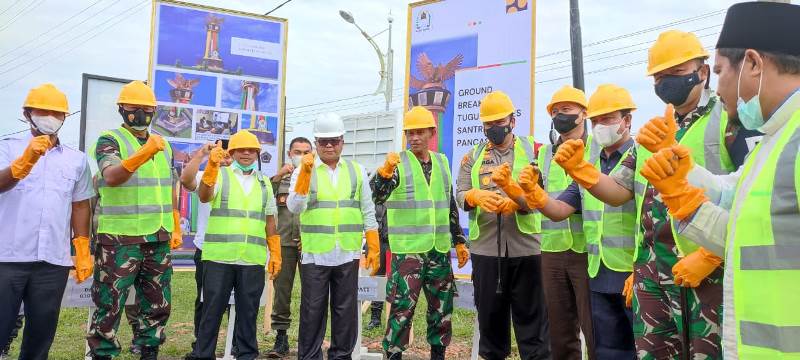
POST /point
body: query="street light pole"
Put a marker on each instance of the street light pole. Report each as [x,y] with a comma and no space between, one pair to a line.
[386,60]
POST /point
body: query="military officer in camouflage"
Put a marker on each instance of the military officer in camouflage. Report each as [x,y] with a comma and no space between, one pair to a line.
[422,219]
[137,227]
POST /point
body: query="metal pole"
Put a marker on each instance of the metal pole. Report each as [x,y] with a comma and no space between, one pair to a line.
[685,327]
[577,46]
[389,67]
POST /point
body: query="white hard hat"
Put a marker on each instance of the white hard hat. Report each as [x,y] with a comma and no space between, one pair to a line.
[328,125]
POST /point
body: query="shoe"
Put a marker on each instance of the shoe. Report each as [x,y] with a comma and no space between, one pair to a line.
[437,352]
[135,349]
[4,351]
[149,353]
[394,356]
[99,357]
[281,347]
[375,319]
[190,356]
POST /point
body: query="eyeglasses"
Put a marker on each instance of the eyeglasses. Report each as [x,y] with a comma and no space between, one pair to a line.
[323,142]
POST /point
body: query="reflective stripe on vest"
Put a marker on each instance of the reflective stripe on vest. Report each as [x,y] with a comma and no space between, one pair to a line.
[418,212]
[333,215]
[523,155]
[567,234]
[237,223]
[143,204]
[609,230]
[766,253]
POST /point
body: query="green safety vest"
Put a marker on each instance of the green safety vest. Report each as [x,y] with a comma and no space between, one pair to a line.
[567,234]
[766,253]
[523,155]
[609,230]
[418,213]
[706,139]
[237,225]
[143,204]
[333,213]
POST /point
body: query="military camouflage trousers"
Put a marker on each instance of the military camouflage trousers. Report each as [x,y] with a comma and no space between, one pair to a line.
[657,324]
[148,268]
[412,273]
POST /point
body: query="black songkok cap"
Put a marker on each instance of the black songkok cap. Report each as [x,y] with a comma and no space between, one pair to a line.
[762,25]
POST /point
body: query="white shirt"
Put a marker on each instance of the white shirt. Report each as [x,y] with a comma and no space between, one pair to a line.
[710,223]
[297,203]
[36,212]
[203,212]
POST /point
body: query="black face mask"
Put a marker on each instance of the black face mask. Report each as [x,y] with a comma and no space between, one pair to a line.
[137,119]
[497,134]
[675,89]
[564,123]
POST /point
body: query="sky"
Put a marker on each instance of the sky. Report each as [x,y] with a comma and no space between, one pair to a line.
[327,58]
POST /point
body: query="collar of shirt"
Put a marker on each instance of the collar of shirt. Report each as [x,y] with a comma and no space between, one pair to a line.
[239,172]
[707,101]
[560,141]
[782,115]
[621,151]
[318,162]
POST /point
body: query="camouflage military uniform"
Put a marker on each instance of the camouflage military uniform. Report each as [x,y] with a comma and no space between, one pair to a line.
[143,262]
[412,273]
[658,321]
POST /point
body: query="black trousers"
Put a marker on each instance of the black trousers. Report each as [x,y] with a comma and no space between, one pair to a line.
[317,282]
[613,327]
[40,286]
[521,302]
[218,280]
[198,280]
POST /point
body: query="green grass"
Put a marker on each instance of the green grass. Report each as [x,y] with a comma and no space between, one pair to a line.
[69,342]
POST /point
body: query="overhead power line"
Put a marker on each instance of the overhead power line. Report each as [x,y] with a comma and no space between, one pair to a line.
[337,100]
[9,8]
[32,5]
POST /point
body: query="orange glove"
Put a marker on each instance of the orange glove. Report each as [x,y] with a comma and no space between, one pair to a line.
[387,170]
[373,252]
[462,253]
[177,236]
[570,157]
[667,170]
[488,201]
[84,265]
[627,291]
[153,145]
[215,157]
[502,177]
[535,196]
[303,184]
[275,260]
[508,207]
[38,146]
[692,269]
[659,132]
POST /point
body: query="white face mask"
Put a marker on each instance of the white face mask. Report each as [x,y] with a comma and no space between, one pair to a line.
[296,160]
[607,135]
[47,125]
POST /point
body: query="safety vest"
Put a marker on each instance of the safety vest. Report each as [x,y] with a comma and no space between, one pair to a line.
[237,224]
[609,230]
[333,213]
[567,234]
[143,204]
[766,253]
[523,155]
[706,138]
[418,213]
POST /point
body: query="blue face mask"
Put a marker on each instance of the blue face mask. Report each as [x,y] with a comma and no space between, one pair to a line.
[749,111]
[244,168]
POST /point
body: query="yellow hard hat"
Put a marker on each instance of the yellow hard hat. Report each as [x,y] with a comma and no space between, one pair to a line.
[137,93]
[609,98]
[418,118]
[47,97]
[243,139]
[672,48]
[495,106]
[567,94]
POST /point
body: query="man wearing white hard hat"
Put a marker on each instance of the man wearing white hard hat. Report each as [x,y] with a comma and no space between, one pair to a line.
[334,201]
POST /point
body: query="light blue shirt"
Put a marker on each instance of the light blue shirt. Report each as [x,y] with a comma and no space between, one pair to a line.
[36,212]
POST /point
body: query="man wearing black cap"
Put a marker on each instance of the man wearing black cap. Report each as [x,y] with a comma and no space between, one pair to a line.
[750,218]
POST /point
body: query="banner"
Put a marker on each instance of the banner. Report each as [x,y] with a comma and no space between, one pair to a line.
[460,50]
[215,72]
